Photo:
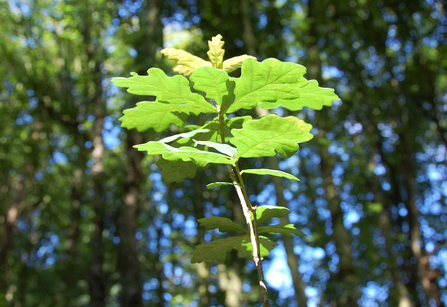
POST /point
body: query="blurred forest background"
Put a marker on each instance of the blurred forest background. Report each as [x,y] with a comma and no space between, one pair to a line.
[86,220]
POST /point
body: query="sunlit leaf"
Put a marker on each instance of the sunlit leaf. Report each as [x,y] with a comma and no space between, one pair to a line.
[270,135]
[185,135]
[214,134]
[271,172]
[216,52]
[223,148]
[173,90]
[311,96]
[187,62]
[234,63]
[269,80]
[212,82]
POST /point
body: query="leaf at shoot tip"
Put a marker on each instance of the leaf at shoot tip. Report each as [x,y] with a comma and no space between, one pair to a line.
[216,52]
[186,62]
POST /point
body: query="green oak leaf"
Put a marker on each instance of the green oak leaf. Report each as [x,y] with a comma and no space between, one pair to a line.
[270,135]
[214,134]
[172,90]
[223,148]
[199,157]
[215,250]
[156,115]
[185,135]
[217,184]
[263,171]
[311,96]
[222,223]
[269,80]
[266,213]
[211,81]
[245,249]
[283,229]
[176,171]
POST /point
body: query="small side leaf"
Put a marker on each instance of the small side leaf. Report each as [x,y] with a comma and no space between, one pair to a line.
[183,135]
[266,213]
[263,171]
[283,229]
[222,223]
[217,184]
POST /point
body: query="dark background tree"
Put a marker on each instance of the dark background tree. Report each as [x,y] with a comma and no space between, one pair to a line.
[86,220]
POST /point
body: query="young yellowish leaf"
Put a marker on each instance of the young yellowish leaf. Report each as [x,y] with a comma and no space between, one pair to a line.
[216,52]
[186,62]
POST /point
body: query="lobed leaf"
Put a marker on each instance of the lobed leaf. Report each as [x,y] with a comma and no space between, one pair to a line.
[222,223]
[283,229]
[234,63]
[211,81]
[199,157]
[266,213]
[269,80]
[216,52]
[215,250]
[214,134]
[176,171]
[270,135]
[263,171]
[173,90]
[245,249]
[187,62]
[311,96]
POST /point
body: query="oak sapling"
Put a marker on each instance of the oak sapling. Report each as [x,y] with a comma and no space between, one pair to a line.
[206,87]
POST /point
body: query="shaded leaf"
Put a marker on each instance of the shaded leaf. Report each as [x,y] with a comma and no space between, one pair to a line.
[214,134]
[286,230]
[176,171]
[212,82]
[173,90]
[222,223]
[216,184]
[215,250]
[263,171]
[269,80]
[266,213]
[187,62]
[270,135]
[311,96]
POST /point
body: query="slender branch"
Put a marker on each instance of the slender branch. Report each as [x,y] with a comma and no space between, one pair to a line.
[251,219]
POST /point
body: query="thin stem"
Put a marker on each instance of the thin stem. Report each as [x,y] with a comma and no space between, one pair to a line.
[251,219]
